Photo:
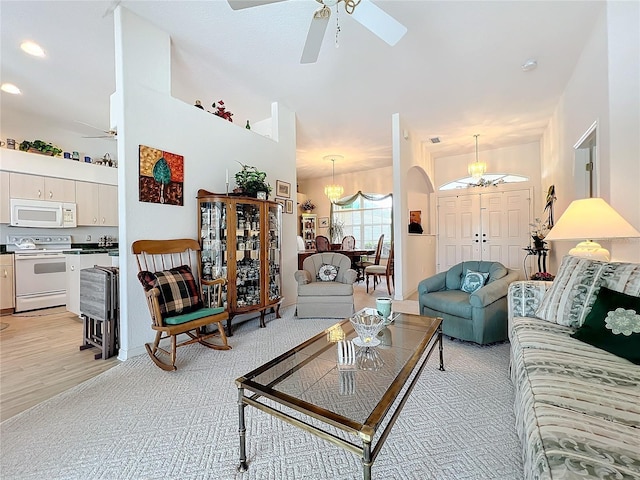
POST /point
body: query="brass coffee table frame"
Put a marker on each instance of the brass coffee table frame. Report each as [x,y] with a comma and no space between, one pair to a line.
[368,451]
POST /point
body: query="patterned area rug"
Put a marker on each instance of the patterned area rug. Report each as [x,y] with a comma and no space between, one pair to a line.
[136,421]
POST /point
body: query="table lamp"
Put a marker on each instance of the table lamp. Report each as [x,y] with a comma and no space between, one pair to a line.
[589,219]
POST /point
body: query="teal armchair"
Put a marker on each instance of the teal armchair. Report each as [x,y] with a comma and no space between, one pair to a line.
[479,317]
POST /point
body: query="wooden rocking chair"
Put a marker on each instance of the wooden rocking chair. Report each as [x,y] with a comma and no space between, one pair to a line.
[169,271]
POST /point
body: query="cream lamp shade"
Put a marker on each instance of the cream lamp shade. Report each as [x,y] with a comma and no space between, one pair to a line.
[589,219]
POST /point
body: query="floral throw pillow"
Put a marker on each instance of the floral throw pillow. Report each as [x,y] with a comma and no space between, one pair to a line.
[613,324]
[327,272]
[473,281]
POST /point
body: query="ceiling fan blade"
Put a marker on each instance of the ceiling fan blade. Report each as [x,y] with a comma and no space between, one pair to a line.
[241,4]
[109,133]
[317,28]
[379,22]
[111,8]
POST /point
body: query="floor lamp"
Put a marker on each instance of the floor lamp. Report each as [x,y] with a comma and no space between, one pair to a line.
[589,219]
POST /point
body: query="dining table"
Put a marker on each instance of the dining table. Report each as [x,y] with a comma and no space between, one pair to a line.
[354,255]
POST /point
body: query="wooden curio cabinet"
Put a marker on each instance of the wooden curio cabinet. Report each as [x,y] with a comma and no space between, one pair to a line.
[240,238]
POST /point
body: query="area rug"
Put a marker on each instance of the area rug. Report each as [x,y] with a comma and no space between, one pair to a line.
[136,421]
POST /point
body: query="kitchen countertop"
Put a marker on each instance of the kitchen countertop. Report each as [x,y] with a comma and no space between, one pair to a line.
[91,248]
[87,251]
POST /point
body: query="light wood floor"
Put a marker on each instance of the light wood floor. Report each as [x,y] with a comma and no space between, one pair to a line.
[40,356]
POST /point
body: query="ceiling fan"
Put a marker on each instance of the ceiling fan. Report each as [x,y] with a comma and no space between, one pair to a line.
[363,11]
[107,133]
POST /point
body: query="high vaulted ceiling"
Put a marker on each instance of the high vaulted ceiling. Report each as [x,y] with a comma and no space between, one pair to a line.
[457,71]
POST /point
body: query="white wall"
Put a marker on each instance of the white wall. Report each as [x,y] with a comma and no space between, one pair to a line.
[517,159]
[624,117]
[603,88]
[69,136]
[146,114]
[414,254]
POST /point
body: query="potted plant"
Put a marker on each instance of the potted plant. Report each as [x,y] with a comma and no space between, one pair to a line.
[38,146]
[307,206]
[336,231]
[539,230]
[251,181]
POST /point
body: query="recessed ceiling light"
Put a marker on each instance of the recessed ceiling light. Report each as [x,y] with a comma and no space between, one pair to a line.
[10,88]
[529,65]
[32,48]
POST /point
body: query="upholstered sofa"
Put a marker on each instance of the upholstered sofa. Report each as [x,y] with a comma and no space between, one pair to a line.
[479,317]
[577,406]
[325,286]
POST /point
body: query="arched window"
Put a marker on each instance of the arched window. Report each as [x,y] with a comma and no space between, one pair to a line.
[366,216]
[487,180]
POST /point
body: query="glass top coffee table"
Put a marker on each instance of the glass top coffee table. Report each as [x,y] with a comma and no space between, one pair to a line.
[307,388]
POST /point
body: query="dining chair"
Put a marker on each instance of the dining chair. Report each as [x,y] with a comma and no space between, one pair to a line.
[362,265]
[322,244]
[348,242]
[376,271]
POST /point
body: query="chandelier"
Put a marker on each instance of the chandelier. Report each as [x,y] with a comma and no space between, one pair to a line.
[477,169]
[333,191]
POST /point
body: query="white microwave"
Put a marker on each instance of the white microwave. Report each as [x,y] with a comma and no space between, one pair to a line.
[42,214]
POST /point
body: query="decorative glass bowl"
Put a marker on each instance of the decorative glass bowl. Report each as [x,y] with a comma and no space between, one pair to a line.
[367,325]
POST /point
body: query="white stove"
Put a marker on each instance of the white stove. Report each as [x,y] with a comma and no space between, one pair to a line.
[36,245]
[40,270]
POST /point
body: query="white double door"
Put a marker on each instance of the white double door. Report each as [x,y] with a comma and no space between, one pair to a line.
[489,226]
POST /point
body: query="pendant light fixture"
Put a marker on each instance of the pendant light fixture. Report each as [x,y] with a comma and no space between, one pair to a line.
[477,168]
[333,191]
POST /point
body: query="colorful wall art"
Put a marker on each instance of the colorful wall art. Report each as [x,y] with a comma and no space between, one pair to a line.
[161,176]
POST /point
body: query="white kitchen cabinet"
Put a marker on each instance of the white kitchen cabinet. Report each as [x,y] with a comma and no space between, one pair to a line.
[108,197]
[7,282]
[59,189]
[97,204]
[75,263]
[37,187]
[5,209]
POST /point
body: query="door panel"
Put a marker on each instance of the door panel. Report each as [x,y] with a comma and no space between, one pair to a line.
[458,230]
[485,226]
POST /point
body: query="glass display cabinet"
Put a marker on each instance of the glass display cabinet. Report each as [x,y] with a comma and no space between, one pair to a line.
[308,230]
[240,238]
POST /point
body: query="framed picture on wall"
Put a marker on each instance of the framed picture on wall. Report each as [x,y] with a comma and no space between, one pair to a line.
[415,221]
[323,222]
[283,189]
[289,206]
[281,201]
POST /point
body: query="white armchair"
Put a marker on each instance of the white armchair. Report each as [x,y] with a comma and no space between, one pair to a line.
[325,286]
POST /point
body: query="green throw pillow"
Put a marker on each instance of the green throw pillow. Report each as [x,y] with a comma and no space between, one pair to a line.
[473,281]
[613,324]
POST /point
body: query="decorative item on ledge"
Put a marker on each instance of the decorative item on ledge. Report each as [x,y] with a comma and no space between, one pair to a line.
[38,146]
[250,181]
[307,206]
[221,111]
